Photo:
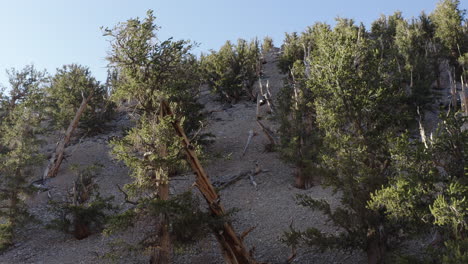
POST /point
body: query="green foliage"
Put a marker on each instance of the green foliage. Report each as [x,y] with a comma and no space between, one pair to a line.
[447,19]
[455,252]
[26,86]
[291,52]
[188,223]
[300,141]
[232,71]
[18,153]
[6,236]
[149,70]
[428,186]
[146,71]
[351,94]
[267,44]
[84,211]
[418,53]
[152,151]
[70,85]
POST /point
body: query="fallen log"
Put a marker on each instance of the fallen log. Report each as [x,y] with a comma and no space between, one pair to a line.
[228,180]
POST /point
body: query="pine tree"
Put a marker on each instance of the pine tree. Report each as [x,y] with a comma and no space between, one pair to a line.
[355,94]
[68,87]
[415,47]
[267,44]
[18,149]
[83,211]
[448,19]
[232,71]
[428,187]
[150,71]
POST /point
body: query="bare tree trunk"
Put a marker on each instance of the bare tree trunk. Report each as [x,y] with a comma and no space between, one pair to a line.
[57,157]
[453,91]
[232,246]
[299,178]
[464,97]
[376,247]
[162,254]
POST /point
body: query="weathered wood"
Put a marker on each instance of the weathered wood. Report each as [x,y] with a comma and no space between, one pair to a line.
[249,139]
[162,253]
[257,113]
[57,157]
[268,98]
[228,180]
[453,91]
[234,251]
[267,132]
[464,97]
[422,132]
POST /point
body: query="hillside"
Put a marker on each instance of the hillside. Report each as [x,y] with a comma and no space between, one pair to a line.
[270,206]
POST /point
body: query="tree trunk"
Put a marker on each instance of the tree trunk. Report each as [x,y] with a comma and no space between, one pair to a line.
[376,247]
[299,181]
[81,230]
[57,157]
[162,254]
[234,251]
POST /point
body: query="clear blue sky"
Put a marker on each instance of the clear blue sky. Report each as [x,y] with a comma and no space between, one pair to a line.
[51,33]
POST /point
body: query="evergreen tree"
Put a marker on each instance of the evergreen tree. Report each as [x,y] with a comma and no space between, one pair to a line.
[428,186]
[355,94]
[68,87]
[18,150]
[300,140]
[83,211]
[448,19]
[232,71]
[267,44]
[150,71]
[416,49]
[292,51]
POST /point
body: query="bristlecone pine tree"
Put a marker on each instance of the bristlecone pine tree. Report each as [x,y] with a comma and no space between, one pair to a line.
[355,95]
[19,124]
[151,71]
[232,71]
[83,211]
[68,87]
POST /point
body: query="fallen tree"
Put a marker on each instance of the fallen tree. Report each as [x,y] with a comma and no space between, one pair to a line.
[57,157]
[232,246]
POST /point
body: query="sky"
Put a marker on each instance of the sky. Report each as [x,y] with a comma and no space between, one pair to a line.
[52,33]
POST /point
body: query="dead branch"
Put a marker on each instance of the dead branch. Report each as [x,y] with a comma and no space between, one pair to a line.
[260,85]
[421,130]
[292,256]
[246,232]
[228,180]
[249,139]
[252,180]
[268,97]
[257,113]
[126,196]
[267,132]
